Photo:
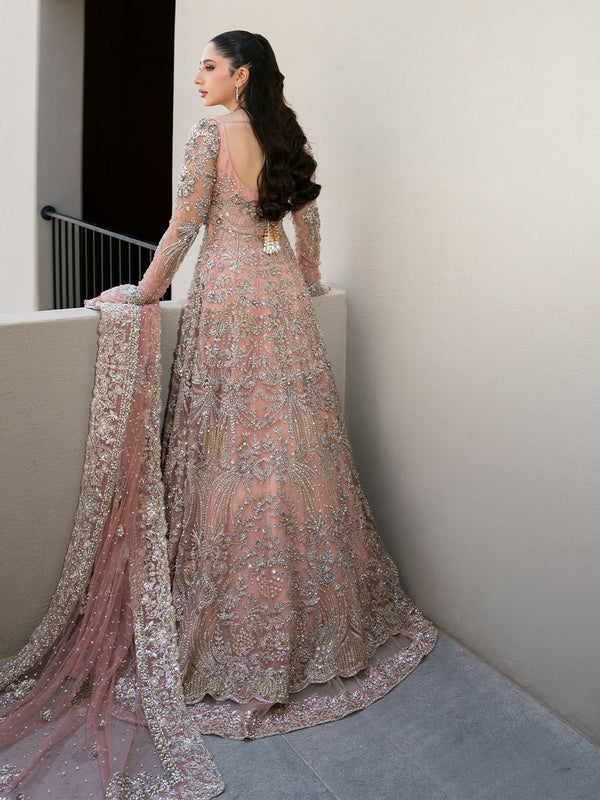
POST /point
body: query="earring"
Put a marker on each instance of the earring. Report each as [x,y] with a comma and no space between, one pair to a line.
[237,93]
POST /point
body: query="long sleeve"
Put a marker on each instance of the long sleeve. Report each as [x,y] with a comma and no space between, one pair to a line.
[190,209]
[307,227]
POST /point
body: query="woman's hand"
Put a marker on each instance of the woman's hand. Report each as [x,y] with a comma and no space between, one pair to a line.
[118,294]
[316,288]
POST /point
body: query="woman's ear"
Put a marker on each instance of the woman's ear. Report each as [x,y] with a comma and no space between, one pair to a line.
[243,74]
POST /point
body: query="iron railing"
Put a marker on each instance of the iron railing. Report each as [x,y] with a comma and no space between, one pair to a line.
[86,259]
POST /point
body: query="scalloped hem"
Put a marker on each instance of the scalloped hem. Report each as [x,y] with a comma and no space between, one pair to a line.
[326,702]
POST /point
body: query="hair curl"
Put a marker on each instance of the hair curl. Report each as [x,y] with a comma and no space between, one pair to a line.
[284,183]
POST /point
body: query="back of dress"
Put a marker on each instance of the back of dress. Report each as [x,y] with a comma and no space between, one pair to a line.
[280,580]
[210,193]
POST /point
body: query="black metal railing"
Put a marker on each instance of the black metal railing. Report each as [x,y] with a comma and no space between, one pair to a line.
[86,259]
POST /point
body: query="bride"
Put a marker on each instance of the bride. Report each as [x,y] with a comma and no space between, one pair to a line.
[285,608]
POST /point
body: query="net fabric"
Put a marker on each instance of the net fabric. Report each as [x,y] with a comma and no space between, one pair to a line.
[93,703]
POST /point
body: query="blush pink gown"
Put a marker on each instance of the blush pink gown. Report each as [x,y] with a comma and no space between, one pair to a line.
[288,611]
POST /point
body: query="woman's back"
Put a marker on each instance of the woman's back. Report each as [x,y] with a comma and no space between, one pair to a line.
[248,256]
[245,152]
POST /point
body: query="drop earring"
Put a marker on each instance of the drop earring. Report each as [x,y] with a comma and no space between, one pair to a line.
[237,93]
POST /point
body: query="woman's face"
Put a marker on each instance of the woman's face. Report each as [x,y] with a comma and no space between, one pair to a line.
[215,81]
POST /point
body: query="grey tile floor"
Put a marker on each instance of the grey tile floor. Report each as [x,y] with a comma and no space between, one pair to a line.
[453,730]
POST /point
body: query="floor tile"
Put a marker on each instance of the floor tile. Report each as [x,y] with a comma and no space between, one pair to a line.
[357,763]
[266,769]
[453,730]
[479,737]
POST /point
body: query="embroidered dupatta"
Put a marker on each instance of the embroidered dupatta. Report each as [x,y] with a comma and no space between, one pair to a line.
[93,703]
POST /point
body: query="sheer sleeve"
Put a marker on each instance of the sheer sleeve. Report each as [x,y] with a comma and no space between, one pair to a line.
[307,227]
[190,209]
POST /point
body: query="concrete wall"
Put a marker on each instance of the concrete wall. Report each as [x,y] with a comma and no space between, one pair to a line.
[458,150]
[47,373]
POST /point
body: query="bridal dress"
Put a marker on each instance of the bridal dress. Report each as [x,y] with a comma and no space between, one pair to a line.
[271,603]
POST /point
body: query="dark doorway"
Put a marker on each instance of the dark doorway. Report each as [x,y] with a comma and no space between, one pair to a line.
[128,115]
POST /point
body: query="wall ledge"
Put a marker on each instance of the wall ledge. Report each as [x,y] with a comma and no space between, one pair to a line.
[47,361]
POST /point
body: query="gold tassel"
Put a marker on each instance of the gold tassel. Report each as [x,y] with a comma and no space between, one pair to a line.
[272,238]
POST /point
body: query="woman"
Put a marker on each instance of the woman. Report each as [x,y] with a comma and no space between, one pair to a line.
[288,608]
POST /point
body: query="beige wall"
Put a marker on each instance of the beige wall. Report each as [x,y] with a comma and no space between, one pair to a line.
[458,149]
[18,164]
[47,369]
[41,59]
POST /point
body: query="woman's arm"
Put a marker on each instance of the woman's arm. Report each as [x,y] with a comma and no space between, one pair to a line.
[307,226]
[190,209]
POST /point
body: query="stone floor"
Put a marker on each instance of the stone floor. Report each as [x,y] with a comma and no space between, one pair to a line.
[453,730]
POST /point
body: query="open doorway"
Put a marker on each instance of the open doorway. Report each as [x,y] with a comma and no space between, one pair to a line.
[128,116]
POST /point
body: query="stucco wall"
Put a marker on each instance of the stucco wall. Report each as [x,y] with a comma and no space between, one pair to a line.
[458,150]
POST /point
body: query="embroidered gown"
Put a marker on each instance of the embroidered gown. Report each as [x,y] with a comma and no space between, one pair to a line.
[280,581]
[286,610]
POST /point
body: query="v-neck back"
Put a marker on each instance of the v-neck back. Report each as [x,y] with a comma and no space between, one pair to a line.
[227,160]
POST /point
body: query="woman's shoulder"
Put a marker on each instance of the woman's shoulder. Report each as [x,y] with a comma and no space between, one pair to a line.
[204,133]
[205,126]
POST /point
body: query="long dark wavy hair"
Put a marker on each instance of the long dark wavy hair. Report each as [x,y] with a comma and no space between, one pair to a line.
[284,183]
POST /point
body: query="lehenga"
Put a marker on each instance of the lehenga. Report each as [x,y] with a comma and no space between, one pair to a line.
[288,611]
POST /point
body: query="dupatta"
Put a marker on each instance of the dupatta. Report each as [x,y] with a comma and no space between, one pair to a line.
[92,705]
